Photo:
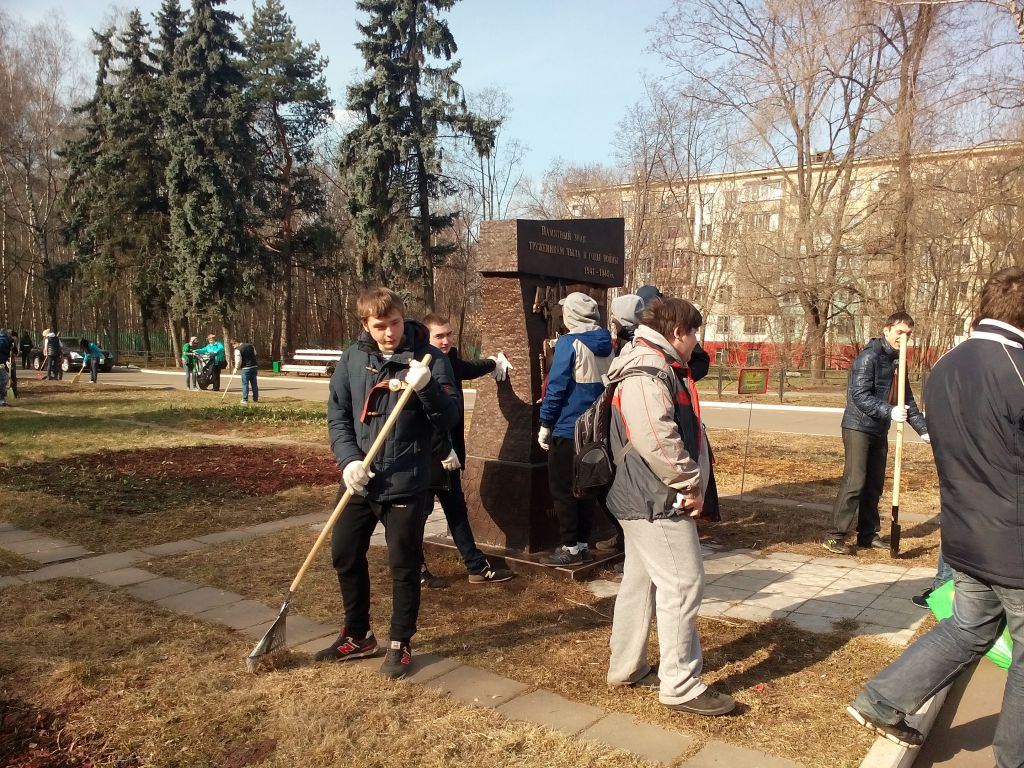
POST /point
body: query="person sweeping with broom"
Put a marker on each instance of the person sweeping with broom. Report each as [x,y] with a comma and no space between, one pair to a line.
[395,490]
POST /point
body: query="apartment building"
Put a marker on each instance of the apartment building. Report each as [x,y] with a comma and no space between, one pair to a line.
[791,261]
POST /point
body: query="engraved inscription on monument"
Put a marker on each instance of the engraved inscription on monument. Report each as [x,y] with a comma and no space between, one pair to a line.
[580,250]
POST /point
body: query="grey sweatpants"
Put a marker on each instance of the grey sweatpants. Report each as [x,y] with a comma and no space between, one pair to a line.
[663,572]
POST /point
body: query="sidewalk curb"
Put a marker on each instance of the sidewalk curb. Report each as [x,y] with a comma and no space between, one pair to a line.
[886,754]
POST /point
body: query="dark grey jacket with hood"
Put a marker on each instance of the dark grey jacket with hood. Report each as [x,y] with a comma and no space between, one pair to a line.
[360,401]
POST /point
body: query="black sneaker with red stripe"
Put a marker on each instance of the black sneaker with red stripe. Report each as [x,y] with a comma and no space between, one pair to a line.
[348,647]
[397,660]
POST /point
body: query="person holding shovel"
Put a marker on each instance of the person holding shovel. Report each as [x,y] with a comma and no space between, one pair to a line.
[364,388]
[871,406]
[975,396]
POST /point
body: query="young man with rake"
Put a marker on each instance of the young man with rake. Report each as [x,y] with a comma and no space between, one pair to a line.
[396,490]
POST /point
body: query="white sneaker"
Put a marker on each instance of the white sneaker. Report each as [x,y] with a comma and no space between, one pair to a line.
[243,402]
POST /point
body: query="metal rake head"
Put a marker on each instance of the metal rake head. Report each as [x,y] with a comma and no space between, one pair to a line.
[271,642]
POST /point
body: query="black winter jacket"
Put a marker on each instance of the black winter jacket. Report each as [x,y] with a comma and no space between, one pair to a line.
[867,394]
[976,422]
[360,401]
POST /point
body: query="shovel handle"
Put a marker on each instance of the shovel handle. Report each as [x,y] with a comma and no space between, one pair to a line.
[367,463]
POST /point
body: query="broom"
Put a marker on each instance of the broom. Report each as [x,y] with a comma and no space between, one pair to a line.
[274,639]
[78,375]
[901,399]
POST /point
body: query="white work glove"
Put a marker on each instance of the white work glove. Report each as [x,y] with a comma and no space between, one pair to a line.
[691,501]
[418,375]
[356,476]
[451,461]
[501,366]
[544,438]
[926,437]
[898,413]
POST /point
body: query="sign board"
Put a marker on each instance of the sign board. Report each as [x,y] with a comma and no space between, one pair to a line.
[753,381]
[580,250]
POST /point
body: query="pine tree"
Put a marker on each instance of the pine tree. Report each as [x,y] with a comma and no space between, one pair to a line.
[292,108]
[392,157]
[210,171]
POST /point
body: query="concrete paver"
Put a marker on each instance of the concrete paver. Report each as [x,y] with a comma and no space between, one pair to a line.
[123,577]
[10,581]
[58,554]
[222,537]
[477,686]
[199,600]
[553,711]
[819,607]
[174,548]
[625,732]
[34,544]
[241,614]
[158,589]
[811,623]
[834,595]
[298,630]
[111,562]
[718,754]
[427,666]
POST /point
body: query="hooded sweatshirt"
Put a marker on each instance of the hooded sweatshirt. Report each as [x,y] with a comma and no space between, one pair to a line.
[654,414]
[581,360]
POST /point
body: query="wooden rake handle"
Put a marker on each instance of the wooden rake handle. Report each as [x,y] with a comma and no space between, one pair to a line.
[901,400]
[367,463]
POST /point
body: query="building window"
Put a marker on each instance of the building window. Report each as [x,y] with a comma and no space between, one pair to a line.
[628,208]
[753,357]
[787,328]
[722,325]
[754,324]
[764,222]
[725,294]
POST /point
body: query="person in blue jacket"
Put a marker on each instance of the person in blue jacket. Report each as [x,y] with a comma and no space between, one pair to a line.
[92,356]
[582,358]
[214,347]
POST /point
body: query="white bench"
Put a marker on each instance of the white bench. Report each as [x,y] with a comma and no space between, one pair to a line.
[313,361]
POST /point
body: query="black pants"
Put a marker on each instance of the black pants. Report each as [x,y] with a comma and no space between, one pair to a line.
[94,367]
[575,516]
[453,502]
[25,353]
[403,530]
[53,367]
[861,486]
[216,385]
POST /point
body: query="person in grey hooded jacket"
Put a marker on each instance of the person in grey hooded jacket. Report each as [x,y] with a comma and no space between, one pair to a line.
[661,476]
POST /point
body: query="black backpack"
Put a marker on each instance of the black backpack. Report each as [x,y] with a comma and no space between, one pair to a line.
[593,467]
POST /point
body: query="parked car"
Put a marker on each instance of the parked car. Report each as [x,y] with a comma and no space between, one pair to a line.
[72,359]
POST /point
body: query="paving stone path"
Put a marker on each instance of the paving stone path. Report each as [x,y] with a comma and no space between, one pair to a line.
[811,592]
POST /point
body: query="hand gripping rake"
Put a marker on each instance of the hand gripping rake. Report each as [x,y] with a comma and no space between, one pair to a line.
[274,639]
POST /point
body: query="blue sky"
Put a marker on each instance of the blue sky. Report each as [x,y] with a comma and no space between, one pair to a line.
[571,67]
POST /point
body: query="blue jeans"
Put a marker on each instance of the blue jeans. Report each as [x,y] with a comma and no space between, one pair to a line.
[191,378]
[249,379]
[453,502]
[980,612]
[943,574]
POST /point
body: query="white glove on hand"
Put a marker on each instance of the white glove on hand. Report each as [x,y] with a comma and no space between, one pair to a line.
[691,501]
[502,366]
[926,437]
[356,476]
[898,413]
[451,461]
[418,375]
[544,438]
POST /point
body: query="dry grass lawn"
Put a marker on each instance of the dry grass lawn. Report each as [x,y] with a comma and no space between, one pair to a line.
[554,635]
[808,469]
[131,685]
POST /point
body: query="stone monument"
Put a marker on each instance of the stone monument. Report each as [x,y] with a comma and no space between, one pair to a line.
[527,266]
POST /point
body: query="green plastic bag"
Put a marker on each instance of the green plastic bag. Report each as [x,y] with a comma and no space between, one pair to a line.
[941,603]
